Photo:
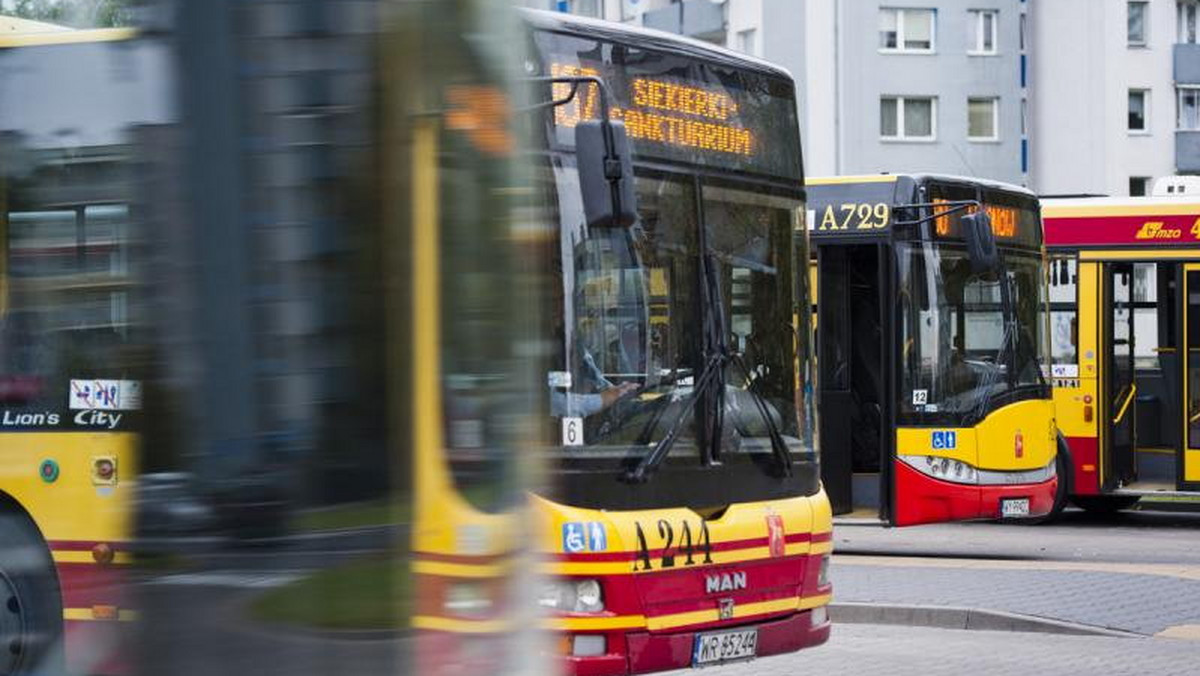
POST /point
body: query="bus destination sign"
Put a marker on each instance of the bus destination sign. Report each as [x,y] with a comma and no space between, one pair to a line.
[662,112]
[677,108]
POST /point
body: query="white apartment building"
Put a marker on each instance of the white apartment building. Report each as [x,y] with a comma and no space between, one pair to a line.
[1064,96]
[1106,105]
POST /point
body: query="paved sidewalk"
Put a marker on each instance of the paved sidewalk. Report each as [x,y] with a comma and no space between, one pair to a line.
[1114,597]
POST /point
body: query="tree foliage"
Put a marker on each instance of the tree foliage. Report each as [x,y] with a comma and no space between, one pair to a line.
[74,13]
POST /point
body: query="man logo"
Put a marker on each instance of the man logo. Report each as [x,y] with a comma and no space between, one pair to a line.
[723,582]
[725,609]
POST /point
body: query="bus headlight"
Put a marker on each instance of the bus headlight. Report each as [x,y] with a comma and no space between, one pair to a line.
[959,472]
[946,469]
[578,596]
[467,599]
[823,573]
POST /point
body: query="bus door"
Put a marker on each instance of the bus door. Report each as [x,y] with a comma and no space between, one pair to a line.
[853,397]
[1190,463]
[1120,389]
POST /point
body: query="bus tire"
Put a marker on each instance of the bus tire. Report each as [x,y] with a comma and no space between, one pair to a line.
[1104,504]
[31,625]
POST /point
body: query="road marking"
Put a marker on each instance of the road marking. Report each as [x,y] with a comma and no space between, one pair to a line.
[1187,632]
[1184,572]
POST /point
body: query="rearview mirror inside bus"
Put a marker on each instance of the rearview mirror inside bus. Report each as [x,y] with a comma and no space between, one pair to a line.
[981,242]
[605,174]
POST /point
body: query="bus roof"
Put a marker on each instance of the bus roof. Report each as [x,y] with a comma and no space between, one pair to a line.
[916,178]
[648,38]
[1121,221]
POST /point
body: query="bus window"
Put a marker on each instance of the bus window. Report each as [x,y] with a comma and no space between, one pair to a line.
[1064,333]
[1145,315]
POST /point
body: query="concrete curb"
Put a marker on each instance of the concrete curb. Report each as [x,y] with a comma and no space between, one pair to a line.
[950,617]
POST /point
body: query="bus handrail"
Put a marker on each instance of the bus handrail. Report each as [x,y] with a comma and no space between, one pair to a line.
[1125,406]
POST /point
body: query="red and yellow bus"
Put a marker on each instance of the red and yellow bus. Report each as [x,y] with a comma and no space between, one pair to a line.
[67,410]
[931,345]
[682,520]
[1125,306]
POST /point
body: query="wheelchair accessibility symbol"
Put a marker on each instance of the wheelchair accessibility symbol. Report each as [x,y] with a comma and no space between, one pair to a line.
[944,440]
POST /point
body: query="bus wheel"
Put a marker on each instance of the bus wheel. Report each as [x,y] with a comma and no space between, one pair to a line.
[1104,504]
[30,605]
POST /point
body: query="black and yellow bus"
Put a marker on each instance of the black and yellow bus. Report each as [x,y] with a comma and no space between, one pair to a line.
[931,346]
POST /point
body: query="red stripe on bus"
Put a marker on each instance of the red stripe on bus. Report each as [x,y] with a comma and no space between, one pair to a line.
[697,548]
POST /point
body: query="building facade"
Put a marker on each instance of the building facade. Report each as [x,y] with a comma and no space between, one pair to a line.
[1063,96]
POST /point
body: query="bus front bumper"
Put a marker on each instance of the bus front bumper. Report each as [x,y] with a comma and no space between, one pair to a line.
[924,499]
[645,652]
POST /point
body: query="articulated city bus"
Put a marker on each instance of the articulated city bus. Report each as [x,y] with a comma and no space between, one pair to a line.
[1125,345]
[683,522]
[68,102]
[931,345]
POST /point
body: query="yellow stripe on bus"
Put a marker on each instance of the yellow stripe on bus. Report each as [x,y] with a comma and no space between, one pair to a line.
[81,556]
[661,622]
[720,557]
[67,37]
[1049,210]
[89,615]
[475,570]
[595,623]
[460,626]
[1148,254]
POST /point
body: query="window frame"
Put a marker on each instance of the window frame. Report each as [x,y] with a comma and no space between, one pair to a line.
[1182,9]
[901,12]
[1145,185]
[1145,128]
[995,137]
[1179,91]
[1144,40]
[901,104]
[978,34]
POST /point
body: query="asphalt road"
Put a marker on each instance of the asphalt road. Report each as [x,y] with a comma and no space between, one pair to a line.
[1128,537]
[903,651]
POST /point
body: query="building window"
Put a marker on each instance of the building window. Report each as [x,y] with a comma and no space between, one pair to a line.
[908,118]
[906,30]
[1137,185]
[1186,20]
[1136,30]
[982,27]
[982,124]
[746,41]
[1187,109]
[1139,101]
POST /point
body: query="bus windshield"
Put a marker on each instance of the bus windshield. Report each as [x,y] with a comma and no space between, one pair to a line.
[965,349]
[676,339]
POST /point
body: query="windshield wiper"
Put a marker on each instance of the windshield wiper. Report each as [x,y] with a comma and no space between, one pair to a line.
[778,445]
[655,457]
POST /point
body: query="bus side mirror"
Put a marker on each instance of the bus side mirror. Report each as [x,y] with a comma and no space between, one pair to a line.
[605,174]
[981,242]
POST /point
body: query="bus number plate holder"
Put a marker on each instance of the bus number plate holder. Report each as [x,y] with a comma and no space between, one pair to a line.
[1014,507]
[724,646]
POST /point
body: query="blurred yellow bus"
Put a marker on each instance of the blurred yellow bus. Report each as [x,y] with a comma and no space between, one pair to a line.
[683,521]
[67,407]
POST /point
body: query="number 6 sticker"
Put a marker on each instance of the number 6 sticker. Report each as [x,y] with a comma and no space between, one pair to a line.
[572,431]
